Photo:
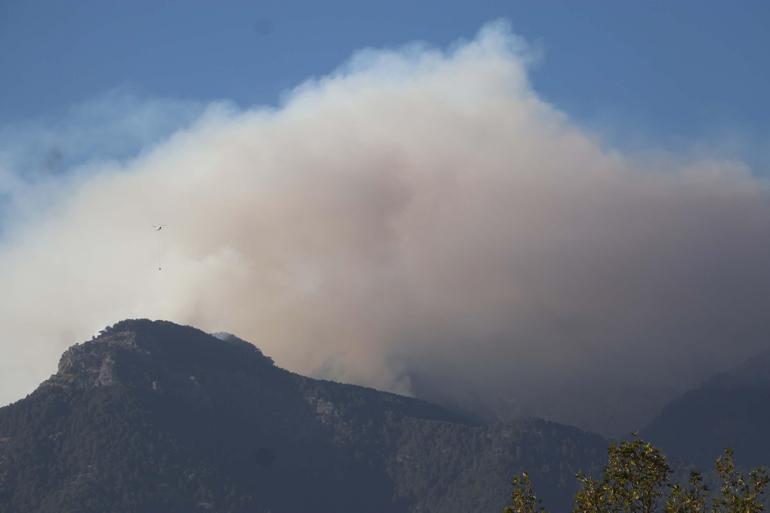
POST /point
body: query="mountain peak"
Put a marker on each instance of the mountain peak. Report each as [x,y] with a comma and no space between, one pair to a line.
[142,352]
[151,416]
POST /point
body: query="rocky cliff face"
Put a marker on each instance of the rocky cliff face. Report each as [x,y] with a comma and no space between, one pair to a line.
[154,417]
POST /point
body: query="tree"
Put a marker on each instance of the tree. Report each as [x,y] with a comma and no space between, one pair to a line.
[739,493]
[635,479]
[523,498]
[590,497]
[632,481]
[690,499]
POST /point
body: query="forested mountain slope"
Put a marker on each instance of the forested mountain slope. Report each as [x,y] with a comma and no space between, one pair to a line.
[154,417]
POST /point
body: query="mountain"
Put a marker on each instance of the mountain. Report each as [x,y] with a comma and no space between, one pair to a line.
[153,417]
[732,409]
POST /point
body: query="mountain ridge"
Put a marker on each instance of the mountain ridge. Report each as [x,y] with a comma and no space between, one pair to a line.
[730,409]
[150,416]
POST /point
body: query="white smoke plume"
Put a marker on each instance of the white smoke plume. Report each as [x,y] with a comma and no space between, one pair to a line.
[419,221]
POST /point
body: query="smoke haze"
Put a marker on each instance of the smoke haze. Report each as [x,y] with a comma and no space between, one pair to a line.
[419,221]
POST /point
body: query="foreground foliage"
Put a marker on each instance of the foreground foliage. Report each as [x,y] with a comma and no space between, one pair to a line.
[637,479]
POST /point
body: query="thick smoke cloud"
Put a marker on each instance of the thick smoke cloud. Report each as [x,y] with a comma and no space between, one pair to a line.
[419,221]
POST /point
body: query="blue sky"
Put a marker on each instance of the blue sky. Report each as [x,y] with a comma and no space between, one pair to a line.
[655,74]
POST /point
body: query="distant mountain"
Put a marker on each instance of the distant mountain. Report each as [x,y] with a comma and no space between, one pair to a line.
[731,409]
[153,417]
